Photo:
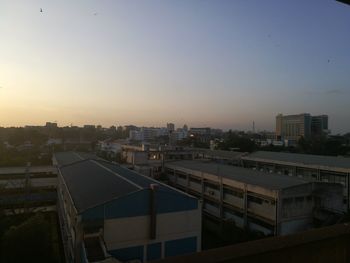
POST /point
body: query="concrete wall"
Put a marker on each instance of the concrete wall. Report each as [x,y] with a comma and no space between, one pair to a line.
[122,233]
[233,200]
[266,209]
[330,196]
[33,182]
[294,226]
[324,245]
[307,172]
[239,221]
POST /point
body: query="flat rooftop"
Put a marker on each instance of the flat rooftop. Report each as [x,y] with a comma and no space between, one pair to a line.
[303,159]
[244,175]
[23,170]
[94,182]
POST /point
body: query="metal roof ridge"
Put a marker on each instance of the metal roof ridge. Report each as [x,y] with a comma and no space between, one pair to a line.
[158,182]
[115,173]
[76,162]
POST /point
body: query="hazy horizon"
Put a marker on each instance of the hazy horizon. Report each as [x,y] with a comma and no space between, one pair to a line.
[222,64]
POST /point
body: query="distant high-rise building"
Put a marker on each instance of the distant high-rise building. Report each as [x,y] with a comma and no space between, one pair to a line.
[201,131]
[135,135]
[51,125]
[293,127]
[185,128]
[319,125]
[170,127]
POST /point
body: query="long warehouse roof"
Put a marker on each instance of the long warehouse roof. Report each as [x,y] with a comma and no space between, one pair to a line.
[244,175]
[304,159]
[94,182]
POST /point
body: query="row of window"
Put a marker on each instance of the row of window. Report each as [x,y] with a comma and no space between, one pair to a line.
[260,201]
[297,200]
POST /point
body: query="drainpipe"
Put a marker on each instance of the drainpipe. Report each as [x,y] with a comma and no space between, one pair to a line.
[153,211]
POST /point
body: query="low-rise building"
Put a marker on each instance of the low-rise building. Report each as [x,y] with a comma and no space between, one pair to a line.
[305,166]
[107,211]
[268,203]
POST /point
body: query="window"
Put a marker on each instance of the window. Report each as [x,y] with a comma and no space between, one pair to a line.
[233,192]
[299,199]
[195,180]
[254,199]
[287,201]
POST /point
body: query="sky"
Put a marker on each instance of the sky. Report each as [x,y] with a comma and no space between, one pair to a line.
[213,63]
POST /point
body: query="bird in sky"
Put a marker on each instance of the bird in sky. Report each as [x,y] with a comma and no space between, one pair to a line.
[41,10]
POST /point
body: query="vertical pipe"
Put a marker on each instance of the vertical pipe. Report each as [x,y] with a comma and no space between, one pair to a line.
[153,212]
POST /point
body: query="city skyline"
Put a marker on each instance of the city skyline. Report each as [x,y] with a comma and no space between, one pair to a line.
[204,63]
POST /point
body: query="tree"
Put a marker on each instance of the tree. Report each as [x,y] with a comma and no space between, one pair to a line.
[29,241]
[233,140]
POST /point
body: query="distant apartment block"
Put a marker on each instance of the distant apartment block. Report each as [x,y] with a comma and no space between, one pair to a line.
[170,127]
[293,127]
[51,125]
[200,131]
[149,134]
[146,134]
[109,212]
[268,203]
[149,161]
[89,126]
[135,135]
[319,125]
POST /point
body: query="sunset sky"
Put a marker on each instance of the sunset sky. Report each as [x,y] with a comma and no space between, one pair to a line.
[213,63]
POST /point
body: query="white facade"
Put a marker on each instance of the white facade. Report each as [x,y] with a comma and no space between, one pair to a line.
[271,210]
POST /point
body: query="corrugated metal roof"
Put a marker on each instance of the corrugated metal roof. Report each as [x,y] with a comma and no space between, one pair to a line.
[90,185]
[305,159]
[244,175]
[137,178]
[64,158]
[94,182]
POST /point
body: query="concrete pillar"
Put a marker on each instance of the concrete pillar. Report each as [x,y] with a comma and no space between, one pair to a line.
[278,206]
[202,182]
[221,197]
[187,182]
[348,192]
[79,238]
[245,206]
[153,211]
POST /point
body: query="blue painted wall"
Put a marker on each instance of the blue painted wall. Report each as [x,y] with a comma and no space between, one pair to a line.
[137,204]
[129,253]
[154,251]
[180,246]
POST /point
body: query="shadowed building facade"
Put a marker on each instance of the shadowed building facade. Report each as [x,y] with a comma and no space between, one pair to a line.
[107,211]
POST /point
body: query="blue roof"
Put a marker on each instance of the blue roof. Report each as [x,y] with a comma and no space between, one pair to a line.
[95,182]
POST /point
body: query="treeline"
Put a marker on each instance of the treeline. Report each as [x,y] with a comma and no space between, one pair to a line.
[322,145]
[15,157]
[39,135]
[30,238]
